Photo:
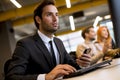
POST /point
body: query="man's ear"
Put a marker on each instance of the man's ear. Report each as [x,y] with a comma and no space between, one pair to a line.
[38,20]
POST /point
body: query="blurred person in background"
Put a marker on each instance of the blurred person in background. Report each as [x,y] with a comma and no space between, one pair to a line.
[89,36]
[105,43]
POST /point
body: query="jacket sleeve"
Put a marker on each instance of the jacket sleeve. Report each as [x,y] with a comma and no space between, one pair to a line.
[67,59]
[80,50]
[97,57]
[16,69]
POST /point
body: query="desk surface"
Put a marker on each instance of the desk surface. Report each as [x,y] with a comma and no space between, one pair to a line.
[110,72]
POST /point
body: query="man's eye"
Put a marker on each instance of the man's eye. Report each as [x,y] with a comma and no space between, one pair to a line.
[57,14]
[49,14]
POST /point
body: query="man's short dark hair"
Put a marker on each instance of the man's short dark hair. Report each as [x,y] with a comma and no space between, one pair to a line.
[38,11]
[86,30]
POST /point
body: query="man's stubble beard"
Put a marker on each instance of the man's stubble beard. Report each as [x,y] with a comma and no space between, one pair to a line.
[92,39]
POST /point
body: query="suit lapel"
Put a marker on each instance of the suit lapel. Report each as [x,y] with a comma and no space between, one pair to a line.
[44,49]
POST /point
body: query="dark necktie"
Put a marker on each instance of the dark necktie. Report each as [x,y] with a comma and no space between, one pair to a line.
[52,53]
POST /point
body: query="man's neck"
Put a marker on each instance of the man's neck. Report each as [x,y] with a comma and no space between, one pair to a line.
[88,40]
[48,34]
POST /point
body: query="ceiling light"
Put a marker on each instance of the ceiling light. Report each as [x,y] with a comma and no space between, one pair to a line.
[90,13]
[68,4]
[98,18]
[16,3]
[107,17]
[72,24]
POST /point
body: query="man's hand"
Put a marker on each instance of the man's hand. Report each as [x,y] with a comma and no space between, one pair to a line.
[84,60]
[59,71]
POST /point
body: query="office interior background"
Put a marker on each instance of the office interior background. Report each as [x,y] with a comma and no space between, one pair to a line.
[16,22]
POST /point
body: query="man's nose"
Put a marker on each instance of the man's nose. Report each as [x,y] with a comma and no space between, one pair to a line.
[55,18]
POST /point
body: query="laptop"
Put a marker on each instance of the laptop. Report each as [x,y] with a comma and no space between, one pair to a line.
[87,69]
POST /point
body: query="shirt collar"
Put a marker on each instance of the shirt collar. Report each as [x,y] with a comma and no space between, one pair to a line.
[44,37]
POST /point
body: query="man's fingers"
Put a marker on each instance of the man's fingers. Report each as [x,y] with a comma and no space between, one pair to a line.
[85,57]
[84,60]
[60,70]
[69,68]
[82,63]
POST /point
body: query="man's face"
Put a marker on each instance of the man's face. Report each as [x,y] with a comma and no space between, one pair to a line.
[49,21]
[91,34]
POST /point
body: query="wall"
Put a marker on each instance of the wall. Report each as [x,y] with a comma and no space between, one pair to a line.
[7,44]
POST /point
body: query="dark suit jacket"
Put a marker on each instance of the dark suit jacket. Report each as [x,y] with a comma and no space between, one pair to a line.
[31,58]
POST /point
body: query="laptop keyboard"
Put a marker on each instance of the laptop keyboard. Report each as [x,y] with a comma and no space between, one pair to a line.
[87,69]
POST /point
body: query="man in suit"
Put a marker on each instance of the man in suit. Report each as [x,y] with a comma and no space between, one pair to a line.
[33,58]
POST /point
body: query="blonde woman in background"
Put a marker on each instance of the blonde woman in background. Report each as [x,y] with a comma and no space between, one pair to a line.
[104,42]
[103,38]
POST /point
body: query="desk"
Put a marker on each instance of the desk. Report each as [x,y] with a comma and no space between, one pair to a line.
[110,72]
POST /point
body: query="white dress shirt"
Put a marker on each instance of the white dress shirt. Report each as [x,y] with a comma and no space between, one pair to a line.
[46,40]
